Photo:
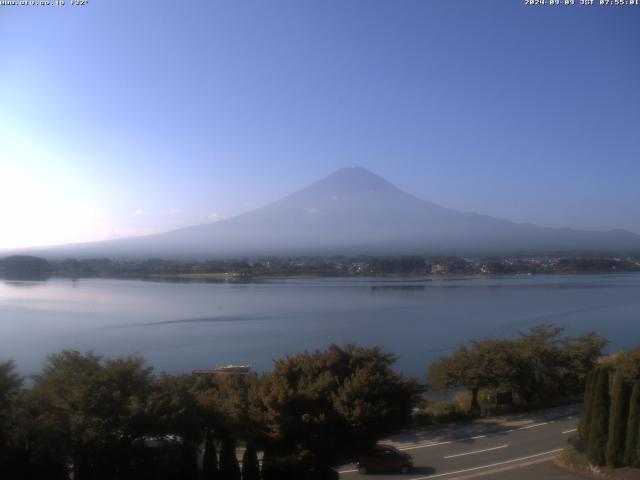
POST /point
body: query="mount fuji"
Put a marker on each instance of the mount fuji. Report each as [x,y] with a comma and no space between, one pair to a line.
[353,211]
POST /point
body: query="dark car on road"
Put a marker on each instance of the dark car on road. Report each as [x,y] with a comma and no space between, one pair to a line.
[385,458]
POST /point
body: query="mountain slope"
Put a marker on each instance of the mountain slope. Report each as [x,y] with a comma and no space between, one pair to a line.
[353,211]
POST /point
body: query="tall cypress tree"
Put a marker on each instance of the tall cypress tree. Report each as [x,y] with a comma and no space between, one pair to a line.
[250,466]
[229,468]
[188,462]
[210,459]
[618,418]
[632,443]
[268,471]
[599,425]
[587,407]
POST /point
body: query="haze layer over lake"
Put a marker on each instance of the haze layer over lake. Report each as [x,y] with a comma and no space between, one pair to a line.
[183,326]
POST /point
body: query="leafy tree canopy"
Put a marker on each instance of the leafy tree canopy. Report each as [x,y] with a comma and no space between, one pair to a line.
[540,364]
[324,407]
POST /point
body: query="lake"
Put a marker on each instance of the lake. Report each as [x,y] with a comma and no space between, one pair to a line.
[183,326]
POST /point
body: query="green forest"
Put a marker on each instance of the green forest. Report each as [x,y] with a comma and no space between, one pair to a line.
[114,418]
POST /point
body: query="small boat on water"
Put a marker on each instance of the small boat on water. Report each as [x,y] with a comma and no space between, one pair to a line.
[224,370]
[233,368]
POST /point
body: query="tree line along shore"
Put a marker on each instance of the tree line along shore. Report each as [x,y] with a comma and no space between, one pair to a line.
[30,267]
[114,418]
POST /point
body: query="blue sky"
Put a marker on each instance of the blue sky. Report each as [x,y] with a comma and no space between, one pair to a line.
[123,118]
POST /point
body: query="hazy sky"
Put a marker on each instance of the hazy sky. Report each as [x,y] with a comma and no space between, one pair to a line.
[121,118]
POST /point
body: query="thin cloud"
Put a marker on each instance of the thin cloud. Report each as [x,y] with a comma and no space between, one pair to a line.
[216,217]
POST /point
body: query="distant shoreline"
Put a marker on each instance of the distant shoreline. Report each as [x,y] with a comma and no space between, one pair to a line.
[234,270]
[220,278]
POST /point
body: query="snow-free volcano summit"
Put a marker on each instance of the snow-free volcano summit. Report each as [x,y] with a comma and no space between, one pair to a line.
[353,211]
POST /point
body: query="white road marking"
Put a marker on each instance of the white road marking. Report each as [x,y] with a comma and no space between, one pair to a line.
[465,439]
[570,431]
[488,466]
[435,444]
[427,445]
[505,468]
[534,425]
[477,451]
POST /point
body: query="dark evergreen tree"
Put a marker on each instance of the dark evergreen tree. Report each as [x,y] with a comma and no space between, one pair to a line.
[599,425]
[632,443]
[618,418]
[210,459]
[250,465]
[229,468]
[10,385]
[587,408]
[188,462]
[268,471]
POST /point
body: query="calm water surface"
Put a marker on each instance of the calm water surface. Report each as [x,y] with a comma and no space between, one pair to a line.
[182,326]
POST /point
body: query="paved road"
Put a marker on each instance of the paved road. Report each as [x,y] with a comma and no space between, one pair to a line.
[539,471]
[492,448]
